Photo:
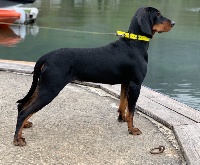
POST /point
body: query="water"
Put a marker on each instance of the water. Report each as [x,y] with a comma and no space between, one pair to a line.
[173,57]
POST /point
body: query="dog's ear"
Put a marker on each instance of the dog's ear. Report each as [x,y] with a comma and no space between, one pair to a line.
[144,21]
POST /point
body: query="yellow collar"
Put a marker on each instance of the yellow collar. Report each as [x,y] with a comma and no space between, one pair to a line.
[132,36]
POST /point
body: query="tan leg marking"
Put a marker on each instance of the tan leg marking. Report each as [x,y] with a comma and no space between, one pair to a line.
[131,129]
[29,124]
[123,104]
[20,141]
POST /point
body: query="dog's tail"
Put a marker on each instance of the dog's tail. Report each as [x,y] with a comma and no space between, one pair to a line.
[36,75]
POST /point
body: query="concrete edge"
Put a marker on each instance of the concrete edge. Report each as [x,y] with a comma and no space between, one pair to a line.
[165,119]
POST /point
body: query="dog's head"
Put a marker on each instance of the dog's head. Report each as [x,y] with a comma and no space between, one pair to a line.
[151,20]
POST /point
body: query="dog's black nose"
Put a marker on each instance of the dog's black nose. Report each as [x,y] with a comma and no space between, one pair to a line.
[172,23]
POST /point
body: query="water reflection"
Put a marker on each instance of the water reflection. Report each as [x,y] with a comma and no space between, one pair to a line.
[8,37]
[11,35]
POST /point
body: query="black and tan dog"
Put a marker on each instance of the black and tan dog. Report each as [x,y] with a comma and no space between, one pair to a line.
[121,62]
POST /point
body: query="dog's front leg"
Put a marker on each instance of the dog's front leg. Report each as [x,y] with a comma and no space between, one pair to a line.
[123,103]
[133,94]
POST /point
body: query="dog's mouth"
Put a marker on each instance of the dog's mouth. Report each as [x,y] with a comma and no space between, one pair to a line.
[154,31]
[163,27]
[160,28]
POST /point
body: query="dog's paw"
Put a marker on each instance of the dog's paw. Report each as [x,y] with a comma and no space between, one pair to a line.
[28,124]
[121,119]
[134,131]
[19,142]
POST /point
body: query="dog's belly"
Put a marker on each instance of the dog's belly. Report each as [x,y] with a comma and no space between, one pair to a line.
[105,80]
[102,76]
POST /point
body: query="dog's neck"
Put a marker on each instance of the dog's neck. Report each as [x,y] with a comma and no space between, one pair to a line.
[135,28]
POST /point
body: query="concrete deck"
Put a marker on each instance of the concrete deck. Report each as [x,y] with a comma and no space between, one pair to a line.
[181,119]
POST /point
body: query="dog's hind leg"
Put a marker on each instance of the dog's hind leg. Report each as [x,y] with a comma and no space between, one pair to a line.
[41,99]
[48,88]
[23,103]
[123,103]
[133,94]
[22,106]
